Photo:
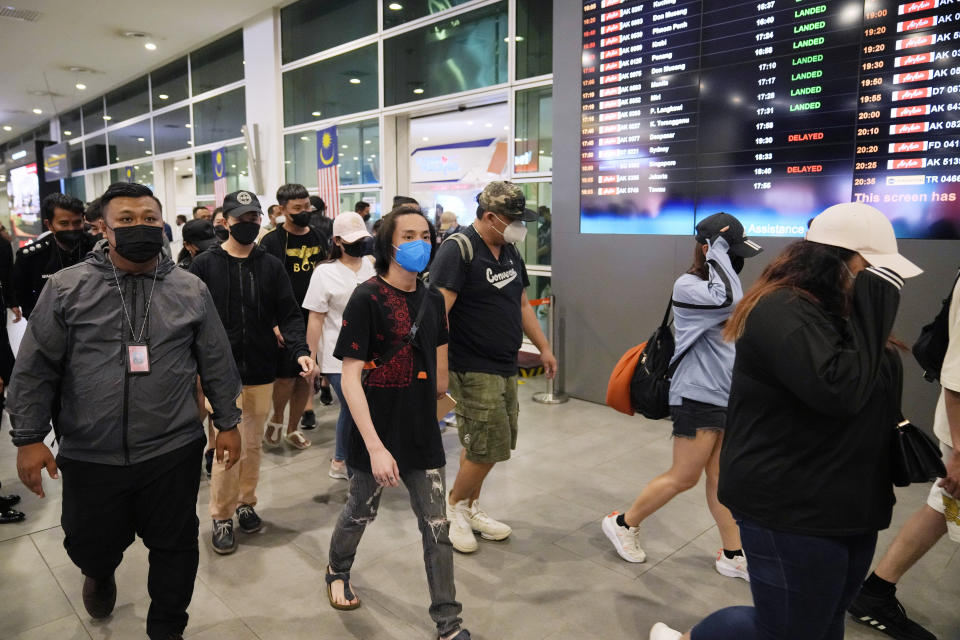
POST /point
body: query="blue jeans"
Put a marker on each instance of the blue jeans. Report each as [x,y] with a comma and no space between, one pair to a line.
[344,420]
[801,585]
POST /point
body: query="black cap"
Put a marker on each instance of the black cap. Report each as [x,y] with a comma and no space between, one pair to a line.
[240,202]
[200,234]
[711,226]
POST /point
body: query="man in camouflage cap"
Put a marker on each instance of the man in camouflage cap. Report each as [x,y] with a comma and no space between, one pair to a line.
[483,280]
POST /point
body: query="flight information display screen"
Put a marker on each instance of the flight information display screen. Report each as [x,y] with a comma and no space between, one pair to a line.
[771,111]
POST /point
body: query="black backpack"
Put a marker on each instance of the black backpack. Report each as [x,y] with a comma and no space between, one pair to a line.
[931,347]
[650,386]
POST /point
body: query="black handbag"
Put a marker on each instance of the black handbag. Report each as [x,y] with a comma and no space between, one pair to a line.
[916,456]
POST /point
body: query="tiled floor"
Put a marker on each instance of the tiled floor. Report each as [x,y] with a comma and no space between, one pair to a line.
[556,578]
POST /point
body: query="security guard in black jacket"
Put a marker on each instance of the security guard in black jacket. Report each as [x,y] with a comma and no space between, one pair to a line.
[65,246]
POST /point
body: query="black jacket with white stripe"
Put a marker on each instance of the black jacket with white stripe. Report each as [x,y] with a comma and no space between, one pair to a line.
[813,406]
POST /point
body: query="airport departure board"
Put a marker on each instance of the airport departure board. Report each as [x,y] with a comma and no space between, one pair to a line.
[771,111]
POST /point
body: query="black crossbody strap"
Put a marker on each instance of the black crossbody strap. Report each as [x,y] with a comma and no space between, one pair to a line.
[407,339]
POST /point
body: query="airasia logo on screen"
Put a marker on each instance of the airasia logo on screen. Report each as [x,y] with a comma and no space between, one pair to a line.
[916,41]
[912,94]
[906,61]
[916,7]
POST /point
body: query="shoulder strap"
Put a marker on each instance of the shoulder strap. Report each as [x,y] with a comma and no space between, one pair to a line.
[466,248]
[407,339]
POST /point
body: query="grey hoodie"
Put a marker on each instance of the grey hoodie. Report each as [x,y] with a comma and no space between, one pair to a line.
[700,310]
[72,364]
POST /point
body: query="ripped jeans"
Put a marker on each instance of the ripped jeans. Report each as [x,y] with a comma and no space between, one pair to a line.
[428,500]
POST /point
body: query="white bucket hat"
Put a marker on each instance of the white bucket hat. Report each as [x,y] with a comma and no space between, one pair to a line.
[864,229]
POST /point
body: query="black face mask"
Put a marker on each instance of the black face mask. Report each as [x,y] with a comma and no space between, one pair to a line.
[300,219]
[222,233]
[69,239]
[245,232]
[737,262]
[355,249]
[139,243]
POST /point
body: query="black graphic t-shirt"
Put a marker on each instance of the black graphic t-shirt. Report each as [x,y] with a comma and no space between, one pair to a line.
[485,322]
[402,394]
[299,254]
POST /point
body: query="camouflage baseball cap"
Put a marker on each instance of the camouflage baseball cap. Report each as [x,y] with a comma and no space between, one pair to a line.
[506,198]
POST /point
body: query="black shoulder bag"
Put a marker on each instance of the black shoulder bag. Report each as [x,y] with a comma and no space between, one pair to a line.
[915,456]
[408,339]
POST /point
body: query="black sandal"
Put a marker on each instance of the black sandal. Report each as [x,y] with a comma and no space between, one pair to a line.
[9,516]
[347,591]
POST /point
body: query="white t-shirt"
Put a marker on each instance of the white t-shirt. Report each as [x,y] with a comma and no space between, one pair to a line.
[950,372]
[331,286]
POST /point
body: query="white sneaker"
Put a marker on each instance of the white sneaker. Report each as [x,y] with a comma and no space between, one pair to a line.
[735,568]
[625,541]
[487,527]
[661,631]
[461,534]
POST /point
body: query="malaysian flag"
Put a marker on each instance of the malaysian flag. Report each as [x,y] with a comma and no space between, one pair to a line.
[328,170]
[219,176]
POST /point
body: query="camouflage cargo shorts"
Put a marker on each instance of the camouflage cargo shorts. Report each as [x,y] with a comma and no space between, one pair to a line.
[487,409]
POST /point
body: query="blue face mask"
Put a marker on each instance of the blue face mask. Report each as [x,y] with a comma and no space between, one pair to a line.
[414,256]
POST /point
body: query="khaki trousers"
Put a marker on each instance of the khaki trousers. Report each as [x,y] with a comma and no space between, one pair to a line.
[230,489]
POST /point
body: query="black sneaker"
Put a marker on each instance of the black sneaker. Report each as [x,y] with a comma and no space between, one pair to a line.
[224,541]
[326,398]
[208,462]
[887,615]
[309,419]
[249,521]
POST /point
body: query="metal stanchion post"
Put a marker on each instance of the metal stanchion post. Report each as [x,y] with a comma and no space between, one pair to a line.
[551,396]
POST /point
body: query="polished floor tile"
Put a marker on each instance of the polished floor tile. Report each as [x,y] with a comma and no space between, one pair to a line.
[555,578]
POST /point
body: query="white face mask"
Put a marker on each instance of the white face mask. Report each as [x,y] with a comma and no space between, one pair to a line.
[279,220]
[514,233]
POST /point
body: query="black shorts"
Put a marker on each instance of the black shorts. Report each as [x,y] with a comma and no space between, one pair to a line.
[692,416]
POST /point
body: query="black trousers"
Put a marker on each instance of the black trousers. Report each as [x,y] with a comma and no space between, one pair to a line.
[106,506]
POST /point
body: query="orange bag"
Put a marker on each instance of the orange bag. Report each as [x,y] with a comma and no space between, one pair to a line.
[618,388]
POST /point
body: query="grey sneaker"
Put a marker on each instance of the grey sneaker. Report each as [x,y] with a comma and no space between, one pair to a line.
[224,541]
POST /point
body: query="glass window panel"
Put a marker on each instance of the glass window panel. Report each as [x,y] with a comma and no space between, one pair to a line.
[76,156]
[96,151]
[235,164]
[397,12]
[130,142]
[459,54]
[169,83]
[359,152]
[75,186]
[141,173]
[310,26]
[171,130]
[220,117]
[300,158]
[129,101]
[217,64]
[539,288]
[300,155]
[93,116]
[333,87]
[536,249]
[70,125]
[533,143]
[534,38]
[349,199]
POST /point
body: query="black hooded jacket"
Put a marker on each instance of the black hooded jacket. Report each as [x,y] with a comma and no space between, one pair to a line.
[265,301]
